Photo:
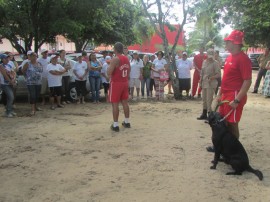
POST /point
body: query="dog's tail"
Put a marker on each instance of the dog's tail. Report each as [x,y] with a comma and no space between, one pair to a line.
[256,172]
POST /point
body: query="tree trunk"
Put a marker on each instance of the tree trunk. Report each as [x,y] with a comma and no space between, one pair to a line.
[174,78]
[78,46]
[15,44]
[84,45]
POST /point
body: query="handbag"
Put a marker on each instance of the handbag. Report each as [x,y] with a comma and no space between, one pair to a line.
[163,76]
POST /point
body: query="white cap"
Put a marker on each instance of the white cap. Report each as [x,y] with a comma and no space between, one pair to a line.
[108,57]
[29,52]
[53,56]
[43,51]
[135,52]
[184,53]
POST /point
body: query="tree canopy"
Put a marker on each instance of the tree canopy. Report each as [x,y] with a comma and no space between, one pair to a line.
[25,20]
[80,21]
[249,16]
[206,32]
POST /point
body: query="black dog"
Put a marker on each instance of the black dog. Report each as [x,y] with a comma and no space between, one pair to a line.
[227,145]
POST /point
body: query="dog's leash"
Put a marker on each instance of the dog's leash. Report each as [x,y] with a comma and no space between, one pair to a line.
[221,103]
[226,115]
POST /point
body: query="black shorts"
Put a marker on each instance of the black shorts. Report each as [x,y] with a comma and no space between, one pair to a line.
[184,84]
[55,91]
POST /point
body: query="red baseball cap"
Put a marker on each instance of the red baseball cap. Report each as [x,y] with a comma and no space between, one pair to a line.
[236,36]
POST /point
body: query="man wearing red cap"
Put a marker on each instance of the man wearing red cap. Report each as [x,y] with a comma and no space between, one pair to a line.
[236,81]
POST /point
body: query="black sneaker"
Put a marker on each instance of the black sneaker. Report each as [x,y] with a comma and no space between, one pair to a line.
[126,125]
[116,129]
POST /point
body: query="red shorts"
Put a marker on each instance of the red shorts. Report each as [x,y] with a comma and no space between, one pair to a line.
[118,91]
[225,108]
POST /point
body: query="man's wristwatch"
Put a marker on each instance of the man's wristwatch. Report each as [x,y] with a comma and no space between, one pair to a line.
[236,101]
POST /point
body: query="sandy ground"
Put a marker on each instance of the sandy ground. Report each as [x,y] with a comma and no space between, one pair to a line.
[71,155]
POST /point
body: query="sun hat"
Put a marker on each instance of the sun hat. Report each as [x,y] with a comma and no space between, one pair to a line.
[236,36]
[53,56]
[43,51]
[108,58]
[29,52]
[3,56]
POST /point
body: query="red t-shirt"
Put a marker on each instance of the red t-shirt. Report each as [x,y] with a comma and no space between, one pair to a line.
[121,73]
[237,68]
[198,60]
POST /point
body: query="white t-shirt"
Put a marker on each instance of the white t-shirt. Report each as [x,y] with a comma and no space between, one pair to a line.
[80,69]
[159,64]
[24,62]
[66,64]
[104,71]
[54,80]
[184,67]
[44,63]
[135,68]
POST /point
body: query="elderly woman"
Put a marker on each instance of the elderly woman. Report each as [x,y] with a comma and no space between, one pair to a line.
[136,65]
[146,76]
[8,80]
[159,65]
[33,75]
[80,71]
[184,66]
[266,83]
[15,68]
[55,72]
[208,82]
[64,62]
[94,77]
[105,77]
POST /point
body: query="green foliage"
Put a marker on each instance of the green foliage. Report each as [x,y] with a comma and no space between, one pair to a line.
[206,31]
[27,20]
[250,16]
[105,21]
[199,38]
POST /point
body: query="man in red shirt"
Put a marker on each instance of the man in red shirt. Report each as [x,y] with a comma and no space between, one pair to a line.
[236,81]
[118,73]
[197,62]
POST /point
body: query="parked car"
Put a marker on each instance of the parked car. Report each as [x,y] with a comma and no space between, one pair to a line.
[142,54]
[74,56]
[253,57]
[224,56]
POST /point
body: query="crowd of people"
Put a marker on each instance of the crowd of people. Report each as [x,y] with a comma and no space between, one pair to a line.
[52,74]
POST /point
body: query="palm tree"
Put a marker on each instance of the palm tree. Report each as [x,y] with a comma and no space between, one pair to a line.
[206,33]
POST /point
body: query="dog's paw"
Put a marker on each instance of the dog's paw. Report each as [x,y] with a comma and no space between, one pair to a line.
[213,167]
